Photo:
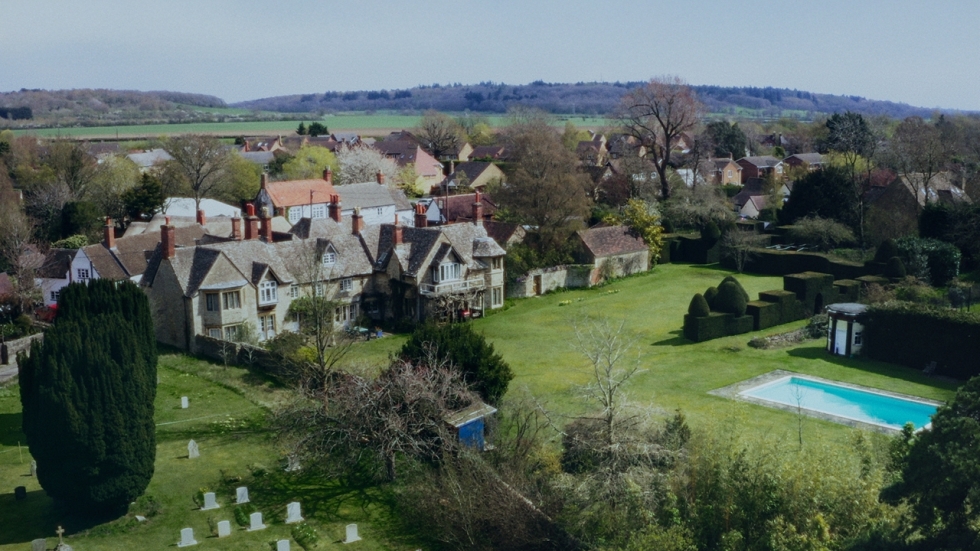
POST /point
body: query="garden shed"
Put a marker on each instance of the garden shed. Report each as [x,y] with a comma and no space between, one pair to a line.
[845,328]
[468,423]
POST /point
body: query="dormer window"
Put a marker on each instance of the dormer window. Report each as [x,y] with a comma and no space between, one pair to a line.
[447,271]
[329,258]
[268,292]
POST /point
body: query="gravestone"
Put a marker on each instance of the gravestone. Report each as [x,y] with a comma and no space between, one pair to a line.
[352,534]
[183,402]
[241,495]
[62,546]
[20,493]
[224,528]
[293,513]
[192,451]
[39,545]
[34,468]
[140,518]
[186,538]
[210,502]
[255,522]
[282,545]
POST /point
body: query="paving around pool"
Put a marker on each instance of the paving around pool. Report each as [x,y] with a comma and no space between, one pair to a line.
[847,404]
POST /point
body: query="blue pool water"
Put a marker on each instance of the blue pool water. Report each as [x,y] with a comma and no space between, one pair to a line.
[859,405]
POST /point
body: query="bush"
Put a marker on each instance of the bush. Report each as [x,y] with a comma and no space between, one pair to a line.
[886,250]
[72,242]
[710,295]
[710,232]
[242,514]
[895,268]
[741,289]
[917,334]
[822,233]
[305,536]
[731,299]
[930,259]
[699,307]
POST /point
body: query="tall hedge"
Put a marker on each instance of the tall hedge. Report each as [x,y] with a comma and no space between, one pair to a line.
[87,394]
[937,260]
[482,367]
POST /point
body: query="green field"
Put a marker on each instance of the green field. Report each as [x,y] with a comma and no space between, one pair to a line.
[347,122]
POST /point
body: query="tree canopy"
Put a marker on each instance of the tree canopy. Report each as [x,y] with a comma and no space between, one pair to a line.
[827,193]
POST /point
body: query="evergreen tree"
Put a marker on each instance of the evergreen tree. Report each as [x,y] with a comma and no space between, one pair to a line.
[87,394]
[301,129]
[482,367]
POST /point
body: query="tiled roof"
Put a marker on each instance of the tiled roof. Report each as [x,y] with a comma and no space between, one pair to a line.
[497,152]
[472,169]
[291,193]
[502,232]
[149,158]
[457,208]
[611,241]
[371,194]
[131,254]
[57,263]
[809,158]
[764,161]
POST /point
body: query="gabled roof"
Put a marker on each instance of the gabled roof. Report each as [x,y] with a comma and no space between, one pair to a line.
[352,258]
[147,159]
[371,194]
[472,169]
[611,241]
[496,152]
[458,208]
[761,161]
[808,158]
[130,256]
[291,193]
[941,189]
[57,263]
[503,232]
[258,157]
[721,163]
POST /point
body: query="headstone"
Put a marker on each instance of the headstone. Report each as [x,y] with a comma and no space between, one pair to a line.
[255,522]
[186,538]
[183,402]
[293,513]
[292,464]
[352,534]
[34,468]
[224,528]
[20,493]
[282,545]
[39,545]
[210,502]
[192,451]
[140,518]
[241,495]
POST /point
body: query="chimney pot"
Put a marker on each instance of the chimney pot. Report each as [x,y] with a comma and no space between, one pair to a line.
[421,218]
[109,234]
[201,219]
[265,228]
[398,235]
[334,208]
[236,229]
[168,239]
[478,210]
[357,221]
[264,181]
[381,177]
[328,175]
[250,209]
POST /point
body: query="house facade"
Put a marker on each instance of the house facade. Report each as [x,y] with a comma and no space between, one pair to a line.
[760,167]
[296,199]
[726,172]
[612,251]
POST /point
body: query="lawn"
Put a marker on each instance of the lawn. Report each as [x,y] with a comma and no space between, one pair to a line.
[534,335]
[227,418]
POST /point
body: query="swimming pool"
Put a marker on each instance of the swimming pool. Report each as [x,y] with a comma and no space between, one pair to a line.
[865,406]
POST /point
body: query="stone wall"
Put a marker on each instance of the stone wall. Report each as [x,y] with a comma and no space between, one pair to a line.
[240,354]
[21,345]
[552,278]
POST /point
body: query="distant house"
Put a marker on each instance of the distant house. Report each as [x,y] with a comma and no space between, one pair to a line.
[295,199]
[895,201]
[55,274]
[760,167]
[477,175]
[613,251]
[257,144]
[592,152]
[505,233]
[187,207]
[146,160]
[808,161]
[726,171]
[624,145]
[753,206]
[261,158]
[457,208]
[378,204]
[408,154]
[492,152]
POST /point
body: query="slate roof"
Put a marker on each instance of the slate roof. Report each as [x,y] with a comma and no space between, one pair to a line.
[503,232]
[472,169]
[57,263]
[352,258]
[496,152]
[371,194]
[131,254]
[941,189]
[721,163]
[147,159]
[401,151]
[611,241]
[258,157]
[808,158]
[291,193]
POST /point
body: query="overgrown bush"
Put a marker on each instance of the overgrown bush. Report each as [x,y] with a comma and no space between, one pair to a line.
[242,514]
[886,250]
[305,535]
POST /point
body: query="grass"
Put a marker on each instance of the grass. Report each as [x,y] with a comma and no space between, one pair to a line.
[533,335]
[227,418]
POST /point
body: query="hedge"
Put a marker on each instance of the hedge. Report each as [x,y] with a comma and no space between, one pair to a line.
[916,335]
[773,262]
[765,314]
[942,259]
[712,326]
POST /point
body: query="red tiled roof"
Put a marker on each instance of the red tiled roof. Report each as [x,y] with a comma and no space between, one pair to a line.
[291,193]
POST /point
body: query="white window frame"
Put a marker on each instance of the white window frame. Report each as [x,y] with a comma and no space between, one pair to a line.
[55,295]
[268,292]
[295,213]
[346,285]
[83,273]
[448,271]
[329,258]
[318,289]
[319,211]
[294,291]
[496,296]
[381,211]
[214,332]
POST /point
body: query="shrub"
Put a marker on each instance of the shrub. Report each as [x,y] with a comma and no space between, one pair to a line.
[741,289]
[710,232]
[895,268]
[930,259]
[886,250]
[731,299]
[72,242]
[242,514]
[823,233]
[917,334]
[699,307]
[710,295]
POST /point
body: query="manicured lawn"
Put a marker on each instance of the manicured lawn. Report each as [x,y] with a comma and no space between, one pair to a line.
[535,335]
[227,419]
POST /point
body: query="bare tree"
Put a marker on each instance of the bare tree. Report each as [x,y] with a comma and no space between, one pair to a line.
[919,153]
[439,134]
[362,164]
[17,247]
[738,245]
[657,114]
[73,166]
[201,161]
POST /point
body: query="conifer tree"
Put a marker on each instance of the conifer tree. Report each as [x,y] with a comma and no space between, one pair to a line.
[87,394]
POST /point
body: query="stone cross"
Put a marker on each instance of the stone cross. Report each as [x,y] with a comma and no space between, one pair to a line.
[61,535]
[210,502]
[282,545]
[34,468]
[192,450]
[241,495]
[224,528]
[255,520]
[39,545]
[293,513]
[352,534]
[183,402]
[187,538]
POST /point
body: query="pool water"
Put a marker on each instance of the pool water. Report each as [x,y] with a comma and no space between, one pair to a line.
[859,405]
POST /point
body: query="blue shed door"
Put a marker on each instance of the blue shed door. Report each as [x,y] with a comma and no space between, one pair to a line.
[471,434]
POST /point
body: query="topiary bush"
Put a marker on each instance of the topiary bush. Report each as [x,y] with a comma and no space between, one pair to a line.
[895,268]
[741,289]
[699,307]
[731,299]
[710,295]
[886,251]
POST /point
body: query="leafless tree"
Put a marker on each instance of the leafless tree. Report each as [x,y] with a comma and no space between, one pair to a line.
[919,153]
[439,134]
[17,246]
[738,245]
[656,114]
[201,161]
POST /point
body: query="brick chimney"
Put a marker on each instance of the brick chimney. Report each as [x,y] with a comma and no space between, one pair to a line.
[265,230]
[264,181]
[398,237]
[168,239]
[109,234]
[381,177]
[357,221]
[334,208]
[421,218]
[201,219]
[478,210]
[236,229]
[328,175]
[251,222]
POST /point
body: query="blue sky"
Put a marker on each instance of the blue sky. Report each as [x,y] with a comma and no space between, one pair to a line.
[917,52]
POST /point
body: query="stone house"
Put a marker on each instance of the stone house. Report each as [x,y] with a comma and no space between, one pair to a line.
[612,251]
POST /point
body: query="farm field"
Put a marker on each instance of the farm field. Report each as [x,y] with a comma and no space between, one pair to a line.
[368,124]
[534,336]
[227,419]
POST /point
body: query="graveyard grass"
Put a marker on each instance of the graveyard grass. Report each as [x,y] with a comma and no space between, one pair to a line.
[226,418]
[227,408]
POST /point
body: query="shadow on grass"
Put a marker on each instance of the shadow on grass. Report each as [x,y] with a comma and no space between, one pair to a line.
[37,516]
[871,366]
[10,429]
[677,340]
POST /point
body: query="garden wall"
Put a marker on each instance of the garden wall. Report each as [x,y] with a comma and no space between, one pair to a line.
[233,353]
[552,278]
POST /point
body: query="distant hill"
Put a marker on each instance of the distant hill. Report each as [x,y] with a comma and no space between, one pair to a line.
[587,98]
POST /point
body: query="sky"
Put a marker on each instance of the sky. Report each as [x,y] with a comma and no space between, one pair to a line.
[926,54]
